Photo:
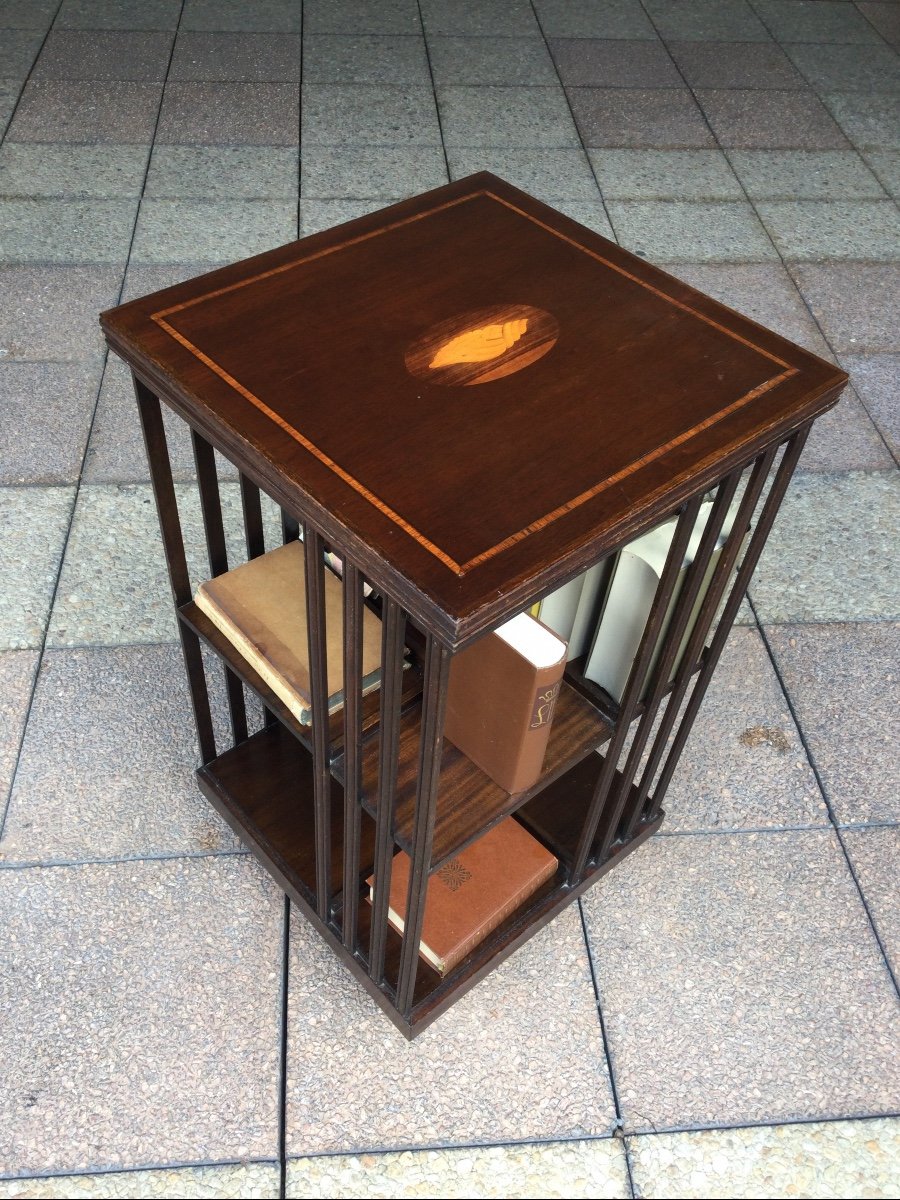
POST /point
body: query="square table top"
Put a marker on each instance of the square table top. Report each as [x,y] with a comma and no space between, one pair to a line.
[469,392]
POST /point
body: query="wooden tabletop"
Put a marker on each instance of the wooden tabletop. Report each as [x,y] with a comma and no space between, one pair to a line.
[474,393]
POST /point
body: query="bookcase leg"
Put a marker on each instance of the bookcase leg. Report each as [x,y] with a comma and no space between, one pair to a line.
[160,467]
[317,643]
[353,652]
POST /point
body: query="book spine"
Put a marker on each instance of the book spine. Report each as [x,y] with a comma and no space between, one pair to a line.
[536,735]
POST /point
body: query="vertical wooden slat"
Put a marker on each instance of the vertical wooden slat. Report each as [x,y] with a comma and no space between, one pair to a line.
[214,530]
[635,685]
[769,511]
[173,543]
[353,651]
[253,522]
[431,742]
[393,630]
[317,644]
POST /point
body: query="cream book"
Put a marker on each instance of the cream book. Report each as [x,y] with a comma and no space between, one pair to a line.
[260,607]
[571,611]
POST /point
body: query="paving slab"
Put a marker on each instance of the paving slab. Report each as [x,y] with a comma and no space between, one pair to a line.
[120,111]
[706,20]
[822,230]
[263,16]
[831,672]
[886,165]
[479,18]
[548,1169]
[118,14]
[18,51]
[842,68]
[144,1026]
[107,54]
[876,378]
[51,312]
[364,114]
[216,173]
[361,16]
[17,668]
[73,800]
[679,231]
[27,14]
[815,21]
[885,16]
[594,19]
[335,58]
[66,231]
[143,278]
[831,555]
[496,60]
[71,171]
[805,175]
[45,417]
[597,62]
[822,1159]
[9,94]
[665,175]
[639,118]
[355,1084]
[316,215]
[34,521]
[870,122]
[873,853]
[735,65]
[845,439]
[506,117]
[230,114]
[745,984]
[362,172]
[254,1180]
[590,213]
[856,304]
[770,120]
[235,57]
[548,174]
[211,231]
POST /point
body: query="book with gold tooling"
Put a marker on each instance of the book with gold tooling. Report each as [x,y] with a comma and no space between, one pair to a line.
[260,607]
[501,698]
[473,893]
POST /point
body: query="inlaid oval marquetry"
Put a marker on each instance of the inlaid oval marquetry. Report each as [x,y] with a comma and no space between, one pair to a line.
[478,347]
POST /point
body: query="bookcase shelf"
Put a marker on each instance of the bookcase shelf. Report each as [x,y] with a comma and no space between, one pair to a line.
[583,397]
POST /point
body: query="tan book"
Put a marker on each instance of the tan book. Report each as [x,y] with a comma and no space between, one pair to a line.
[473,893]
[260,607]
[501,698]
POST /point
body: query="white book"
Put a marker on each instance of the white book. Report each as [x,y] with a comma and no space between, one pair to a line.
[589,605]
[557,611]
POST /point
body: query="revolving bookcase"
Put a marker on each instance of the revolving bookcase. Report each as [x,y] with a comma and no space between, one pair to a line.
[470,399]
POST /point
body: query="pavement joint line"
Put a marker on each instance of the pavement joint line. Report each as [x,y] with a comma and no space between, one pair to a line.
[437,107]
[143,1168]
[121,860]
[27,78]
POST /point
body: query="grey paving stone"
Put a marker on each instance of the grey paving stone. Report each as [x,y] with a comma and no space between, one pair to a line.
[495,60]
[66,231]
[677,231]
[590,212]
[143,278]
[858,306]
[17,669]
[870,122]
[547,174]
[876,378]
[745,986]
[831,671]
[826,1159]
[216,173]
[847,68]
[548,1169]
[123,1043]
[706,20]
[815,21]
[9,94]
[355,1084]
[873,853]
[361,115]
[211,231]
[27,14]
[353,172]
[886,165]
[735,65]
[79,111]
[744,766]
[18,51]
[595,62]
[770,120]
[92,708]
[95,54]
[205,1183]
[832,552]
[101,172]
[639,118]
[506,117]
[263,16]
[885,16]
[34,521]
[361,16]
[805,175]
[665,175]
[254,114]
[594,19]
[45,416]
[51,312]
[845,439]
[316,215]
[118,14]
[817,230]
[478,18]
[234,57]
[334,58]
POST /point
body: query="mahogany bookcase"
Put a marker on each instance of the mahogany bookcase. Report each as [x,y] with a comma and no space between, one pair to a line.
[471,399]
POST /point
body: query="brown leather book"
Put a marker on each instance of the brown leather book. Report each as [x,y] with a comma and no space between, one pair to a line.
[473,893]
[501,698]
[260,606]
